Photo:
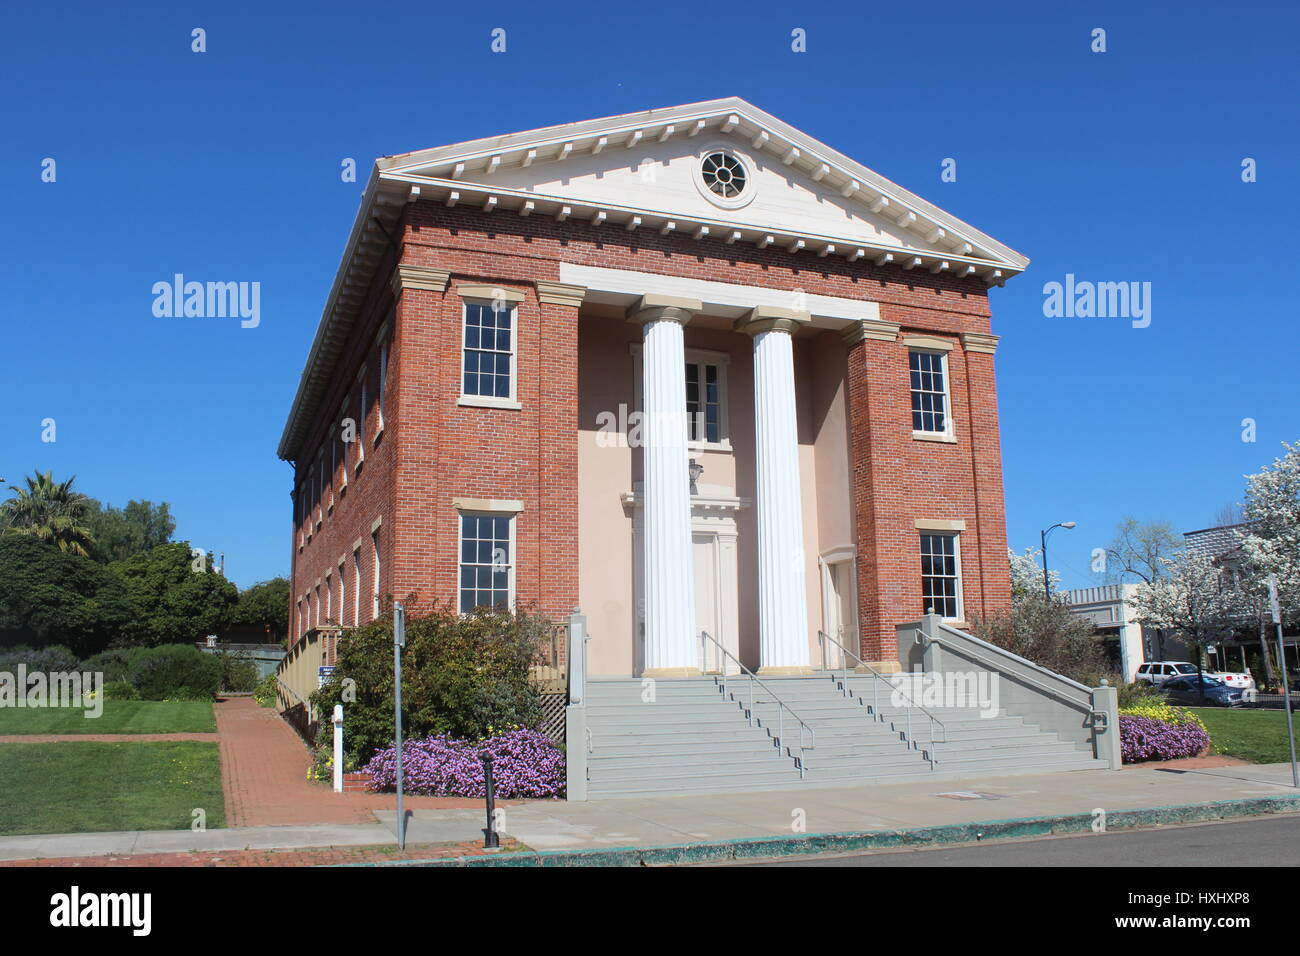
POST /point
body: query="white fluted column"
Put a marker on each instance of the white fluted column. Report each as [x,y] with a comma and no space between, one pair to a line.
[782,594]
[671,644]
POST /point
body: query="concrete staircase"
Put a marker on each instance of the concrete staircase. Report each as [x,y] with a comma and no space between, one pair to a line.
[694,739]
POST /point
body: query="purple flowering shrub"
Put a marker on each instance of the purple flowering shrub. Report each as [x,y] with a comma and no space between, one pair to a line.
[1145,738]
[525,763]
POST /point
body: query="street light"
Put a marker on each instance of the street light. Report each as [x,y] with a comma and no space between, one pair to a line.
[1042,535]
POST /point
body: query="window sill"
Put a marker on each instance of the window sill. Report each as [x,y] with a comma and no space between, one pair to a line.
[485,401]
[934,436]
[718,446]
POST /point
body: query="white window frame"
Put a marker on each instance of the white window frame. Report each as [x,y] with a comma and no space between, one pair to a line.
[487,512]
[382,341]
[490,401]
[329,598]
[377,559]
[956,552]
[343,590]
[356,586]
[700,357]
[346,407]
[361,419]
[334,465]
[949,432]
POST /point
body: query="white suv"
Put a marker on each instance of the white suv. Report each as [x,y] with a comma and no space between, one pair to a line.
[1157,672]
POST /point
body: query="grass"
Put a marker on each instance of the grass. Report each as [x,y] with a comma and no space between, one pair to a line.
[76,787]
[1255,735]
[118,717]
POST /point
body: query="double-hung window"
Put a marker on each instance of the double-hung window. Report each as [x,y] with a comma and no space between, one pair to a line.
[486,561]
[930,401]
[488,356]
[705,383]
[941,574]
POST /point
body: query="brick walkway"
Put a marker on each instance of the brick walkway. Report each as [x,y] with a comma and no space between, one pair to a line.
[318,856]
[264,774]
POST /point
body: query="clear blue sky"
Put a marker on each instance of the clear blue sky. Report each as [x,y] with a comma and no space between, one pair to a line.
[1122,166]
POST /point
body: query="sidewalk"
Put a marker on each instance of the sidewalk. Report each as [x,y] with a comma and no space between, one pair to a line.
[665,821]
[264,775]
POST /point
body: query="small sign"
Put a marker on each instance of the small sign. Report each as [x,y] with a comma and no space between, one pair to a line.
[324,674]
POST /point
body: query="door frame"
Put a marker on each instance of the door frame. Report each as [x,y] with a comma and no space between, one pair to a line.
[843,555]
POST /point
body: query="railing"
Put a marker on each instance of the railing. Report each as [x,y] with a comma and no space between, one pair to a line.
[993,666]
[930,753]
[549,671]
[297,710]
[782,706]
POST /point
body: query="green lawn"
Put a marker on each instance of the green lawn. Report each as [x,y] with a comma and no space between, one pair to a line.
[1255,735]
[83,787]
[118,717]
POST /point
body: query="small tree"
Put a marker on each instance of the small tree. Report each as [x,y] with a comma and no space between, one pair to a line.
[1194,599]
[1140,550]
[1027,575]
[1043,630]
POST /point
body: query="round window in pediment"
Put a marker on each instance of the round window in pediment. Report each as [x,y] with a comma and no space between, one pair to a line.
[724,175]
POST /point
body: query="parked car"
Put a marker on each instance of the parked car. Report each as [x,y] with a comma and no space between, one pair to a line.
[1157,672]
[1186,690]
[1242,680]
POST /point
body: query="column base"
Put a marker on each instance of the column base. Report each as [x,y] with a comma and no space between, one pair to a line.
[671,672]
[785,672]
[882,667]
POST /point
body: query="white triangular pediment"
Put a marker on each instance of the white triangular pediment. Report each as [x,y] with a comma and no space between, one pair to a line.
[665,179]
[643,170]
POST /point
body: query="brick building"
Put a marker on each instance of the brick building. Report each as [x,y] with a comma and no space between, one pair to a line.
[688,369]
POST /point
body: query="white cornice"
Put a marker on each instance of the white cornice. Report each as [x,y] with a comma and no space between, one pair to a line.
[764,132]
[729,231]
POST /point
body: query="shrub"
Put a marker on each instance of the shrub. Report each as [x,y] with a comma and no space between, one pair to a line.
[238,672]
[461,676]
[54,657]
[114,664]
[1137,694]
[264,692]
[1046,633]
[1146,738]
[176,672]
[120,690]
[525,764]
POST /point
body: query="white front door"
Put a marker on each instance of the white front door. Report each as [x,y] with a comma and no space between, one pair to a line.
[840,610]
[715,599]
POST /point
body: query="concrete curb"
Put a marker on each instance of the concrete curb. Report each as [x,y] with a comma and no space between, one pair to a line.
[753,848]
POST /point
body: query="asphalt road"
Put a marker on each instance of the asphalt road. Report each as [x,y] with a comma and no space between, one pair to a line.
[1272,841]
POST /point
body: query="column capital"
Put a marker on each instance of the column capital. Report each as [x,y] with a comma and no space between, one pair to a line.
[771,318]
[878,330]
[560,293]
[409,276]
[663,308]
[979,342]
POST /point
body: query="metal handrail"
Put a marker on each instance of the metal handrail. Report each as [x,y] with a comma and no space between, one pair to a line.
[930,753]
[782,706]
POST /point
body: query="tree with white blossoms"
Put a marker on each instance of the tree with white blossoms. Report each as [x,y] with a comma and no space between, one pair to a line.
[1195,600]
[1270,541]
[1027,575]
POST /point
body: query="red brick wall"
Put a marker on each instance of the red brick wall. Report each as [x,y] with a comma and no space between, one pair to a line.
[435,450]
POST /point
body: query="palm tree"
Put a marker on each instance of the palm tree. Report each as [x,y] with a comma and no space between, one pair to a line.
[50,511]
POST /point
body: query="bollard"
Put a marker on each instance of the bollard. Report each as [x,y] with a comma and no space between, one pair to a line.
[338,748]
[490,839]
